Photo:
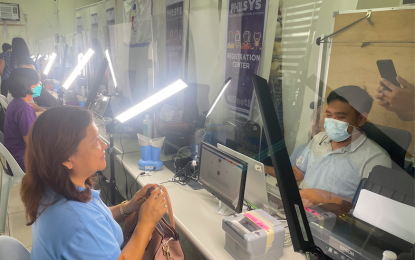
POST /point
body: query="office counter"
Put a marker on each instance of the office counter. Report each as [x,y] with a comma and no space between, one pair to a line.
[192,209]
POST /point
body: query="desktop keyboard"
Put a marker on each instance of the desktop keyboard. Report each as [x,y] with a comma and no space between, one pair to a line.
[272,188]
[275,202]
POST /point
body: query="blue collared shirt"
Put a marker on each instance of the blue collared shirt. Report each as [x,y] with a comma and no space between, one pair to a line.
[76,230]
[339,171]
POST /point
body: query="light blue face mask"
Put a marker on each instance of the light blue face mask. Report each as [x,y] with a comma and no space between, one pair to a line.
[336,130]
[36,91]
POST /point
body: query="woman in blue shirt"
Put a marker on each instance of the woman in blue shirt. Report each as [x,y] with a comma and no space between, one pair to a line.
[68,218]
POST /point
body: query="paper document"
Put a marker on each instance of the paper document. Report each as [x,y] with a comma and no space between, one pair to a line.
[389,215]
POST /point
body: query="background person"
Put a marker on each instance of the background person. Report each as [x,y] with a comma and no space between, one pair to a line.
[399,100]
[5,67]
[21,54]
[20,115]
[64,151]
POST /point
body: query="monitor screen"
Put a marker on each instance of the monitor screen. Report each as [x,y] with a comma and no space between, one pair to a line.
[223,175]
[102,105]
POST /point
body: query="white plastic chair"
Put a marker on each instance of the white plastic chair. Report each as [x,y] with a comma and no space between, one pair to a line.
[3,102]
[4,98]
[7,182]
[11,248]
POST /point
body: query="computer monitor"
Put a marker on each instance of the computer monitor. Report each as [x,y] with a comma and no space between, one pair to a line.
[293,207]
[256,188]
[93,91]
[102,105]
[224,176]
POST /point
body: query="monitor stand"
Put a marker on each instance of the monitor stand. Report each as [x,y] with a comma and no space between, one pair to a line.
[222,209]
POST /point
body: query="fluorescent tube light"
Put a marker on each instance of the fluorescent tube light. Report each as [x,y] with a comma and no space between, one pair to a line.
[218,97]
[78,68]
[111,68]
[50,63]
[152,101]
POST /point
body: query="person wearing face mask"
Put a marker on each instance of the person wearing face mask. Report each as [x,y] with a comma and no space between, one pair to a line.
[330,168]
[36,89]
[20,115]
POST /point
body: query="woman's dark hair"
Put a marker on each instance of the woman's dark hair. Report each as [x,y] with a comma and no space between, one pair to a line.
[20,53]
[21,80]
[53,139]
[356,96]
[5,47]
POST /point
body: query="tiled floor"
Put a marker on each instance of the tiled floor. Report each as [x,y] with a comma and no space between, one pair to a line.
[16,219]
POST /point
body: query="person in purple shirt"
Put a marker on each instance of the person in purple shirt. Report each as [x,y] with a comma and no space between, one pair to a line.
[20,115]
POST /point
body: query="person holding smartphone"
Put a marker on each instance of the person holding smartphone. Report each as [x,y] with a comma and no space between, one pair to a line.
[399,100]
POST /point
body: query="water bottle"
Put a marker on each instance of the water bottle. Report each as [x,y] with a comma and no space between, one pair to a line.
[83,93]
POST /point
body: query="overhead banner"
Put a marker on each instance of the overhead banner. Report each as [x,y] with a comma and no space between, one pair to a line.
[137,22]
[109,29]
[94,25]
[79,24]
[245,33]
[110,16]
[174,38]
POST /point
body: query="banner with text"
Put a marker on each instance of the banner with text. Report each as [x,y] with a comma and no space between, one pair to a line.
[94,25]
[79,24]
[110,28]
[245,33]
[137,22]
[174,38]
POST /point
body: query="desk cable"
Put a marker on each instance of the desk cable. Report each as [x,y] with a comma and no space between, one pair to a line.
[184,175]
[174,158]
[106,193]
[102,187]
[319,251]
[287,236]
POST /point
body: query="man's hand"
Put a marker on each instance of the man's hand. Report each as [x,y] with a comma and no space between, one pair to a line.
[315,197]
[269,170]
[399,100]
[298,174]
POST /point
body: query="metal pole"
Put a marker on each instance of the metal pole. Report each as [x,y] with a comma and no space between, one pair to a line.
[110,129]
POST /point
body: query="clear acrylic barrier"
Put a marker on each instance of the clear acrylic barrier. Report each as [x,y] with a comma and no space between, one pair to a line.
[342,129]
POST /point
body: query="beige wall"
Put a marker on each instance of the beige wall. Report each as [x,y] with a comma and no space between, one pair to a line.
[365,4]
[43,21]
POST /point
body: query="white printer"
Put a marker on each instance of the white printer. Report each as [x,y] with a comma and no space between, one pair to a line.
[254,235]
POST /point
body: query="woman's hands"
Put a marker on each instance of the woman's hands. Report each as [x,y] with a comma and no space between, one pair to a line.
[139,198]
[153,209]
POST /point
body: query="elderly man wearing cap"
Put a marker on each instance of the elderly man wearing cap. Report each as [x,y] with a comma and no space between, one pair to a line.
[330,168]
[20,115]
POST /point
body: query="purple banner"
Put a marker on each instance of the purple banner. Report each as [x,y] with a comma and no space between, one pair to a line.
[246,23]
[174,38]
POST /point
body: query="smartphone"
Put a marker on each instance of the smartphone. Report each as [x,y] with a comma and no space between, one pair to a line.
[387,71]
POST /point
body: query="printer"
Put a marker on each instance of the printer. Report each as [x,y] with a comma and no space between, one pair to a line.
[254,235]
